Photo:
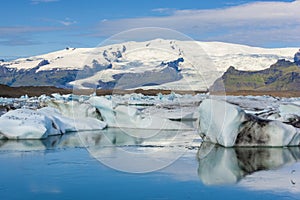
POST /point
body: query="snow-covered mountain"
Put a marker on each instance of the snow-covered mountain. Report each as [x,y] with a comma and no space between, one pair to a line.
[163,64]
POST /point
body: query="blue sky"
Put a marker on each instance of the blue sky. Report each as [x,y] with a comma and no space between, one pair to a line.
[30,27]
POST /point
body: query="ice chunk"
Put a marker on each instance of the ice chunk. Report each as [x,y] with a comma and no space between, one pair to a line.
[41,123]
[74,109]
[65,124]
[89,123]
[27,124]
[220,121]
[83,116]
[285,109]
[79,122]
[229,125]
[131,117]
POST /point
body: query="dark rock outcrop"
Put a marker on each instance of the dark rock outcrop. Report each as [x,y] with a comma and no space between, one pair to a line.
[297,58]
[43,62]
[174,64]
[282,76]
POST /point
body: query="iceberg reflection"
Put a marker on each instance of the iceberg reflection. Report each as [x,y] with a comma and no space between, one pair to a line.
[120,149]
[32,145]
[128,150]
[219,165]
[111,137]
[275,168]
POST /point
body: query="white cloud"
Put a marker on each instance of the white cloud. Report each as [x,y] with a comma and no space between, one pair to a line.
[163,10]
[246,23]
[67,22]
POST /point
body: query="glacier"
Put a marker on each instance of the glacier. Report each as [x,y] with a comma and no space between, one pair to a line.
[156,64]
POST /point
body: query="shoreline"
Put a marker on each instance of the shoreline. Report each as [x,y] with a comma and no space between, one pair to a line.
[31,91]
[287,93]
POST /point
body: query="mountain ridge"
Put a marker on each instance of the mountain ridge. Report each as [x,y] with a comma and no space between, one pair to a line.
[284,75]
[155,64]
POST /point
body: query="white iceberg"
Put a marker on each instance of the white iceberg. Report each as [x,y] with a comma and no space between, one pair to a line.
[290,108]
[229,125]
[27,124]
[131,117]
[41,123]
[84,116]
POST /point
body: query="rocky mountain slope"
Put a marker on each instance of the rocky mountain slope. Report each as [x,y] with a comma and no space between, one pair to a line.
[284,75]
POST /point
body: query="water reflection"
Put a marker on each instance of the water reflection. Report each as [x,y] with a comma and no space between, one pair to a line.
[120,150]
[112,138]
[65,173]
[219,165]
[32,145]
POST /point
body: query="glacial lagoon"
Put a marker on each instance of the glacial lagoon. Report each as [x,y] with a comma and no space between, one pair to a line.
[109,164]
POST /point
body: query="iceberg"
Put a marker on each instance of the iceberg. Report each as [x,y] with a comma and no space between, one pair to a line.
[289,113]
[290,108]
[229,125]
[84,116]
[27,124]
[41,123]
[122,116]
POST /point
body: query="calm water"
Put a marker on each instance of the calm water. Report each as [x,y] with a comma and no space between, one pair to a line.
[71,167]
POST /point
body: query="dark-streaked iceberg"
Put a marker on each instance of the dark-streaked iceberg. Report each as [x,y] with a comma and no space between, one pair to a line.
[229,125]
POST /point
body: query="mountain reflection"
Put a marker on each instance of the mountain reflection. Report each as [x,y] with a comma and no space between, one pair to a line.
[219,165]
